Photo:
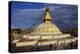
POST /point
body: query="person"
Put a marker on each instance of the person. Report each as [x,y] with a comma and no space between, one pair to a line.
[51,46]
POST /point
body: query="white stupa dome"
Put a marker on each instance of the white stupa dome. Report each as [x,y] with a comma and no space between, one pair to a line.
[47,28]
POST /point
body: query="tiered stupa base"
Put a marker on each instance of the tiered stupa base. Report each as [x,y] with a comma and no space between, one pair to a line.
[42,40]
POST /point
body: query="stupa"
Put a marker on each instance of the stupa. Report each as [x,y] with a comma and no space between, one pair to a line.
[45,34]
[47,27]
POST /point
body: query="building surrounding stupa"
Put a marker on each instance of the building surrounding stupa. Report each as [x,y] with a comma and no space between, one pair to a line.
[47,33]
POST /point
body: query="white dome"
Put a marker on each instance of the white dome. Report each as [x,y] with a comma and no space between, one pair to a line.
[47,28]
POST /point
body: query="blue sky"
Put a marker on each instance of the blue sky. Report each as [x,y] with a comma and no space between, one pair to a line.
[30,15]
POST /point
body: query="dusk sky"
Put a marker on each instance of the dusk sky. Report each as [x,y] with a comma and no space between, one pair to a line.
[30,15]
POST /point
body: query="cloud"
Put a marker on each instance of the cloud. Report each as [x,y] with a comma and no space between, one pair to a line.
[30,12]
[26,17]
[27,13]
[22,11]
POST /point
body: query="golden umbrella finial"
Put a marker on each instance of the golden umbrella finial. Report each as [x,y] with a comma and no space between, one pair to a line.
[47,17]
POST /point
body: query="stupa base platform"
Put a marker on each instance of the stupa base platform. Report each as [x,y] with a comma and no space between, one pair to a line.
[45,42]
[43,48]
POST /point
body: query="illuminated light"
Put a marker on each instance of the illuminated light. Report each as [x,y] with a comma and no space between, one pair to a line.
[47,43]
[60,42]
[68,35]
[33,37]
[56,37]
[29,43]
[74,39]
[47,37]
[25,36]
[15,41]
[61,36]
[68,40]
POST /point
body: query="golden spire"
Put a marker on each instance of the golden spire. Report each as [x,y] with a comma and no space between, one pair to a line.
[47,17]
